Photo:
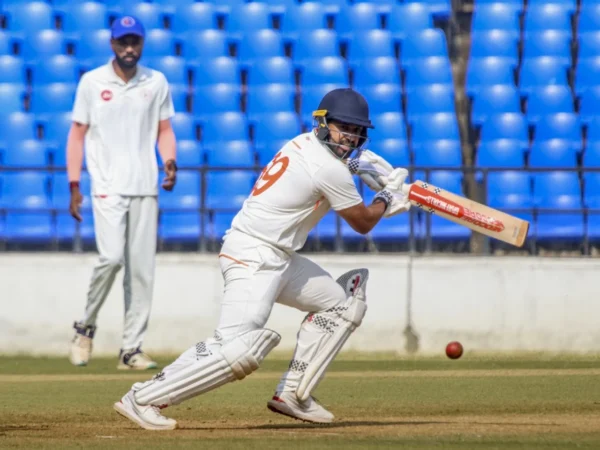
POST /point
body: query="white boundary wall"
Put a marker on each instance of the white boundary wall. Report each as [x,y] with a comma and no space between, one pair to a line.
[486,303]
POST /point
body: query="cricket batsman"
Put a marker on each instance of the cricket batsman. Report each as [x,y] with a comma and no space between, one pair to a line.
[309,175]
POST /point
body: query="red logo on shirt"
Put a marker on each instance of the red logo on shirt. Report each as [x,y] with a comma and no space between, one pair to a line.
[106,95]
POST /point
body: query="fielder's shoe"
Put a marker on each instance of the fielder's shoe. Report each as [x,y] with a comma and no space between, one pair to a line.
[81,345]
[147,417]
[135,359]
[287,403]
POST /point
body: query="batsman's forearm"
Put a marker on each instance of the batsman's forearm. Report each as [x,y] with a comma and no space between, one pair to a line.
[75,144]
[167,146]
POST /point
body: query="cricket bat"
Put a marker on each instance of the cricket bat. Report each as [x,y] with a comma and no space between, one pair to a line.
[471,214]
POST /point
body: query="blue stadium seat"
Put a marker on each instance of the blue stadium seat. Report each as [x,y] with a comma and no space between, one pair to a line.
[12,70]
[442,153]
[589,17]
[28,227]
[505,126]
[485,72]
[435,127]
[159,42]
[148,13]
[590,105]
[179,95]
[511,202]
[248,17]
[56,131]
[225,6]
[217,98]
[495,99]
[326,229]
[549,185]
[194,17]
[271,70]
[559,126]
[170,6]
[231,154]
[55,69]
[382,70]
[370,44]
[499,16]
[591,189]
[588,75]
[88,15]
[60,193]
[43,44]
[389,125]
[549,100]
[11,97]
[362,16]
[548,16]
[173,67]
[382,98]
[25,153]
[394,150]
[303,17]
[312,44]
[273,132]
[593,132]
[591,156]
[29,17]
[52,98]
[433,70]
[500,184]
[116,7]
[229,126]
[94,44]
[434,98]
[204,44]
[589,45]
[6,43]
[541,72]
[25,189]
[16,126]
[501,153]
[408,18]
[217,70]
[392,229]
[554,43]
[258,44]
[184,126]
[552,153]
[328,70]
[180,226]
[440,9]
[270,98]
[499,43]
[423,44]
[68,228]
[311,96]
[228,189]
[189,153]
[220,223]
[187,194]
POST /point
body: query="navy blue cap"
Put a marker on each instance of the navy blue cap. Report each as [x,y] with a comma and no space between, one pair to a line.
[127,25]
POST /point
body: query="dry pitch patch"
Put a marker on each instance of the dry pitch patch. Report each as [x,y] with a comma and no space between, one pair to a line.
[479,403]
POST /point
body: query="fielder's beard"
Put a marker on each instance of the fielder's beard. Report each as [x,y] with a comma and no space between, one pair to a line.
[127,64]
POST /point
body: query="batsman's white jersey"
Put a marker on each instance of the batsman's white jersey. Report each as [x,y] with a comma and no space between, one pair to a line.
[296,189]
[123,119]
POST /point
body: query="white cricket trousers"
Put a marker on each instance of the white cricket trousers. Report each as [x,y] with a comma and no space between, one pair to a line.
[256,275]
[125,230]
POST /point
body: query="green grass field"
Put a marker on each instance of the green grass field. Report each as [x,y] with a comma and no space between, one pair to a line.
[478,402]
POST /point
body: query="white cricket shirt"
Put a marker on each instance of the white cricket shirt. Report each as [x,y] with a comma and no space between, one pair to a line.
[295,190]
[123,128]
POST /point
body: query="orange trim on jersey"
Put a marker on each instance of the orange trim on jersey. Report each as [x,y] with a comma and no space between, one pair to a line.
[233,259]
[296,144]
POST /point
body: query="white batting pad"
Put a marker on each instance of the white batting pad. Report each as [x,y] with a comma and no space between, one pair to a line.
[233,361]
[325,333]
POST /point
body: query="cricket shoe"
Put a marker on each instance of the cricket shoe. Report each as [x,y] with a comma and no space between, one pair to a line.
[135,359]
[147,417]
[81,345]
[287,403]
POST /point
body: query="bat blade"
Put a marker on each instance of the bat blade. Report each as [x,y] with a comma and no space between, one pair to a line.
[469,213]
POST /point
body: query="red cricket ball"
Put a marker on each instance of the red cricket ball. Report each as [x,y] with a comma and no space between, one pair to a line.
[454,350]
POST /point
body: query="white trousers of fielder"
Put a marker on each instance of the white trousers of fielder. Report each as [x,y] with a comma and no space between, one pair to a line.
[125,230]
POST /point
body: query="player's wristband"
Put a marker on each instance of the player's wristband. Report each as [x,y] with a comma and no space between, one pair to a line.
[172,161]
[73,185]
[383,196]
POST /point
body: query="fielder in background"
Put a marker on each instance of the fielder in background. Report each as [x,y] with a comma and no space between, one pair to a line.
[260,266]
[121,109]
